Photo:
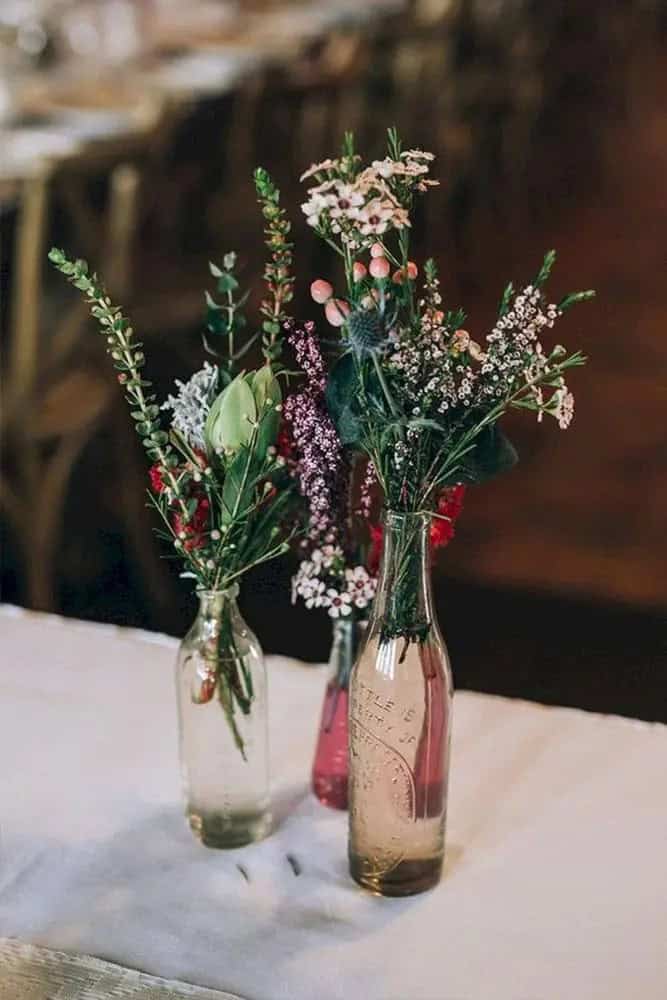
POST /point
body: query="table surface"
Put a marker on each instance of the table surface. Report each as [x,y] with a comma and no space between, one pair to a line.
[556,873]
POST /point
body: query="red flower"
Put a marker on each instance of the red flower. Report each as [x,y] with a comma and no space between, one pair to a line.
[157,482]
[441,532]
[194,529]
[375,550]
[450,504]
[285,442]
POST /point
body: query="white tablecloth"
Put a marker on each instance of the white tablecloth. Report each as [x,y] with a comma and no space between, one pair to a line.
[556,879]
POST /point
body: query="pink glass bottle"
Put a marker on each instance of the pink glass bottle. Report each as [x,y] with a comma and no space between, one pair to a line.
[330,767]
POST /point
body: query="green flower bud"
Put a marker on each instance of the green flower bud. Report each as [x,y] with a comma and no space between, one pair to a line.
[231,419]
[266,390]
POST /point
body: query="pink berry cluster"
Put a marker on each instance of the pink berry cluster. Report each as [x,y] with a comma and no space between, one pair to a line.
[379,269]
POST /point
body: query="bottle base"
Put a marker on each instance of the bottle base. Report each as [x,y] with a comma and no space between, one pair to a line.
[407,879]
[224,831]
[330,790]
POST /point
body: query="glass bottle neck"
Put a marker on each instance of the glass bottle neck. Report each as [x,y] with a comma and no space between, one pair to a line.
[212,603]
[348,635]
[404,601]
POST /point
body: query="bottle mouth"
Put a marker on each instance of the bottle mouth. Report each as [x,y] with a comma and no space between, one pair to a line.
[222,594]
[399,517]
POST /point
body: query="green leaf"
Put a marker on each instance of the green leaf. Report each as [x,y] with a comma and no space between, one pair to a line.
[492,454]
[237,490]
[545,270]
[342,398]
[506,299]
[425,424]
[216,322]
[227,283]
[267,393]
[265,387]
[574,297]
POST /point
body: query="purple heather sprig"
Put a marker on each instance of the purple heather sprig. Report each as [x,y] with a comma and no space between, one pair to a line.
[327,577]
[320,464]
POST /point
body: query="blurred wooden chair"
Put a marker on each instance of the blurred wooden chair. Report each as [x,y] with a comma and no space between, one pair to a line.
[57,395]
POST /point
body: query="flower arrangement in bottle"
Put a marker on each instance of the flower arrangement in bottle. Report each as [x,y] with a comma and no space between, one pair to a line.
[421,398]
[217,482]
[412,389]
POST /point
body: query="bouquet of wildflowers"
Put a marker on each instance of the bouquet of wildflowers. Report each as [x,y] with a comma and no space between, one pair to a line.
[218,484]
[412,389]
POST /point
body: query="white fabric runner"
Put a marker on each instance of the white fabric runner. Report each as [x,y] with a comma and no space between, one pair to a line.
[556,876]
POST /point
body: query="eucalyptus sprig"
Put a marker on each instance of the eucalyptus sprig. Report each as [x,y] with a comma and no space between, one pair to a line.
[225,321]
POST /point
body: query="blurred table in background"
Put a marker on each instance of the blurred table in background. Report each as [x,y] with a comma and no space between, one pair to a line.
[121,61]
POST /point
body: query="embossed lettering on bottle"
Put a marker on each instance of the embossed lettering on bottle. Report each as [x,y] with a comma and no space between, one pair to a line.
[400,711]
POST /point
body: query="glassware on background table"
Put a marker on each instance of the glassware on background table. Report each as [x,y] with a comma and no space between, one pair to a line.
[330,766]
[226,792]
[400,724]
[94,37]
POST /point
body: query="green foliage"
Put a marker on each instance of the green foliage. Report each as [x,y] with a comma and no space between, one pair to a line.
[229,515]
[342,397]
[278,269]
[225,322]
[546,268]
[394,144]
[243,422]
[491,453]
[506,300]
[574,297]
[126,354]
[268,397]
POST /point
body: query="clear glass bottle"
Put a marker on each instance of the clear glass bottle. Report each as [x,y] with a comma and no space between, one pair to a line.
[330,766]
[223,726]
[400,724]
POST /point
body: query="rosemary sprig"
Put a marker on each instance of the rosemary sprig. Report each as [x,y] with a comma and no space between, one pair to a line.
[278,269]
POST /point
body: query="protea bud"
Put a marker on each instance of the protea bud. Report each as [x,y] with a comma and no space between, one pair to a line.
[231,419]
